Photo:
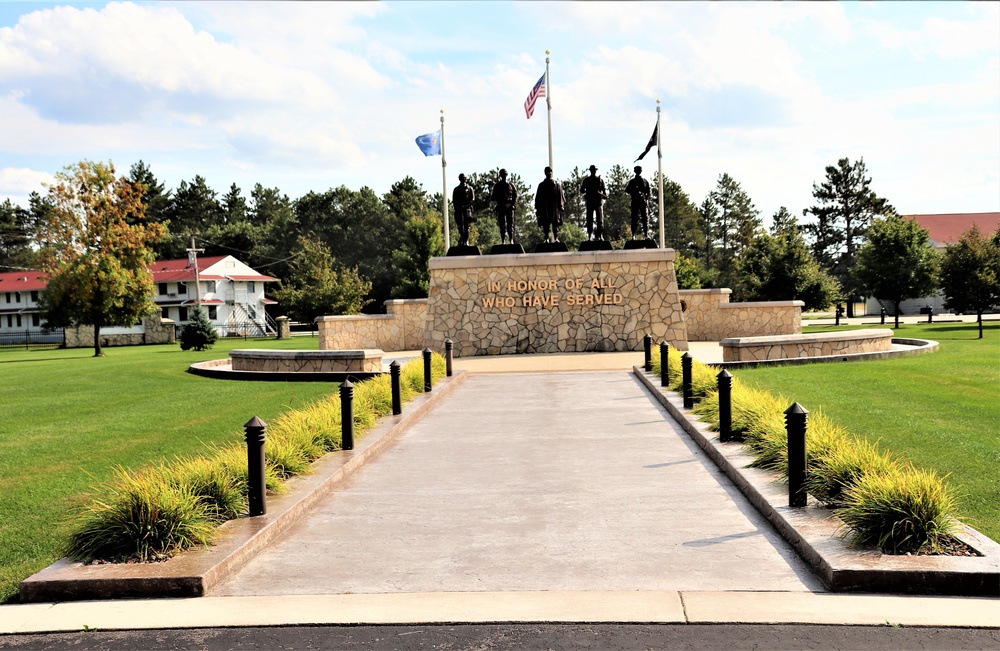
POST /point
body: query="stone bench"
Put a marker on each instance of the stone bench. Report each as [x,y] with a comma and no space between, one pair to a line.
[307,361]
[820,344]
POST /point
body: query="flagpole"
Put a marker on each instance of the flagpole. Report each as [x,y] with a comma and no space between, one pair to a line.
[548,103]
[444,189]
[659,168]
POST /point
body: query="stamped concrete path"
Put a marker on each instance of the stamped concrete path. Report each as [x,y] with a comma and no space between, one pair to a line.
[532,481]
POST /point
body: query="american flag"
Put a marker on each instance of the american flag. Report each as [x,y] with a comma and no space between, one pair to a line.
[536,92]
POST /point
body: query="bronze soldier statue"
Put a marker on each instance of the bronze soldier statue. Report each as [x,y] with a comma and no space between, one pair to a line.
[549,204]
[638,189]
[462,196]
[594,194]
[505,196]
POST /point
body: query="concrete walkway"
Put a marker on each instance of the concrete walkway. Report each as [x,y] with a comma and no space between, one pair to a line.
[532,482]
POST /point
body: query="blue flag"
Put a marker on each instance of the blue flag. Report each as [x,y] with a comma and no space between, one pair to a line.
[430,143]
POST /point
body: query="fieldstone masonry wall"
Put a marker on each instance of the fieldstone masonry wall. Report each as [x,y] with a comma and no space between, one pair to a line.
[155,331]
[711,317]
[306,361]
[554,302]
[401,328]
[820,344]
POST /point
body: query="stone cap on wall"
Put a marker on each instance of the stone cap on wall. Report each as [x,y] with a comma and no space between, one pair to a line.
[777,340]
[354,317]
[717,290]
[404,301]
[752,304]
[262,353]
[548,259]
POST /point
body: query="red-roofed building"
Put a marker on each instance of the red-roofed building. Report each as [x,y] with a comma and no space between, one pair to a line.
[944,229]
[231,293]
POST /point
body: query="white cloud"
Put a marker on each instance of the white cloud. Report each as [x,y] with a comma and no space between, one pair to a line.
[16,183]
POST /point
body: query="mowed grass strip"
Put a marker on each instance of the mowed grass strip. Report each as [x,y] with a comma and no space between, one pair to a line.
[940,410]
[69,419]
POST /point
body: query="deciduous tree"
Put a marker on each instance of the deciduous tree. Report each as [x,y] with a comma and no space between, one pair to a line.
[781,268]
[96,248]
[897,262]
[970,274]
[316,285]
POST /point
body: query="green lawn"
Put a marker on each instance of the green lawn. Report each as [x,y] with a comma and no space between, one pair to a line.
[941,410]
[69,418]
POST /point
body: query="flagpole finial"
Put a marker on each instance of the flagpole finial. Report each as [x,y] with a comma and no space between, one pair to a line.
[548,52]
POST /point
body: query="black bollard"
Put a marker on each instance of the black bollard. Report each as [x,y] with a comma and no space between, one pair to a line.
[449,353]
[840,310]
[647,353]
[664,364]
[930,315]
[347,415]
[256,434]
[686,388]
[397,389]
[883,316]
[427,370]
[796,422]
[725,383]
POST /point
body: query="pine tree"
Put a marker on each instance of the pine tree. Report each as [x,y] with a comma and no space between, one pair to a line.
[199,333]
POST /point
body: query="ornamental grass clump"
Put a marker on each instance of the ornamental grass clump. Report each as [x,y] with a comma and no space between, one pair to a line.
[902,510]
[153,514]
[840,466]
[144,517]
[221,491]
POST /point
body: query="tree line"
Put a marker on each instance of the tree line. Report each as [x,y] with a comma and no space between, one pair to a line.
[341,251]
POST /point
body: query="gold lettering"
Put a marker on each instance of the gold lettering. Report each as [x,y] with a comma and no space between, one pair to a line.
[493,286]
[619,299]
[526,301]
[588,299]
[489,302]
[595,284]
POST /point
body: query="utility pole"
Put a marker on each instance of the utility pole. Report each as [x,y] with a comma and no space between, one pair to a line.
[193,261]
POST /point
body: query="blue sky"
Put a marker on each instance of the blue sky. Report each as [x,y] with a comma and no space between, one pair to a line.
[307,96]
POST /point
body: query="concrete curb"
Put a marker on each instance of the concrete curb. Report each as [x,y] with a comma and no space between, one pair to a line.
[195,572]
[429,608]
[222,369]
[813,530]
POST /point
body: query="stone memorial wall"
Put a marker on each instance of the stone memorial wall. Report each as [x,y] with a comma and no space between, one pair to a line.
[554,302]
[710,316]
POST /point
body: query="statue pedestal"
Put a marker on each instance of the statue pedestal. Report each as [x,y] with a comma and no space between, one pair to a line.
[551,247]
[554,302]
[458,249]
[639,244]
[595,245]
[506,249]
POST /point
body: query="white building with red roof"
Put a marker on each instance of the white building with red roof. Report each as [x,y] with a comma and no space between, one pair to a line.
[230,292]
[944,229]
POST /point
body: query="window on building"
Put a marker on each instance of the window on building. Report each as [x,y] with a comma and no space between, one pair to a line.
[165,313]
[10,319]
[161,289]
[18,320]
[182,289]
[8,297]
[210,286]
[17,297]
[36,320]
[251,286]
[213,312]
[34,296]
[182,314]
